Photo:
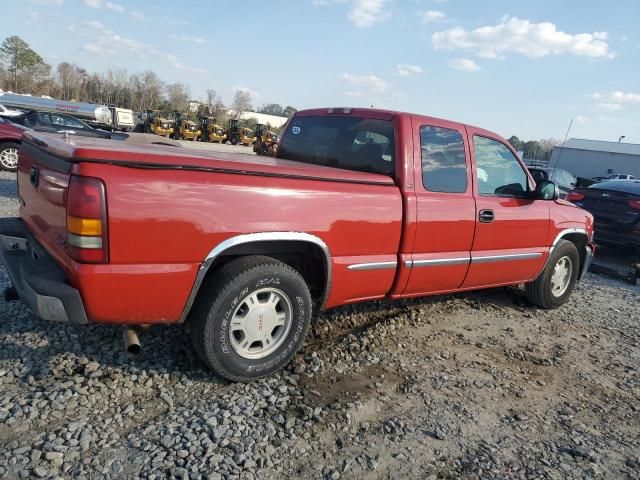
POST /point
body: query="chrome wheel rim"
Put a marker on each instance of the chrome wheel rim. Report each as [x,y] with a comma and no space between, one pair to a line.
[561,276]
[9,157]
[260,323]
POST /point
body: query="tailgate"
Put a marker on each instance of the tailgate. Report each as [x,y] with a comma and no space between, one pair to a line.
[43,180]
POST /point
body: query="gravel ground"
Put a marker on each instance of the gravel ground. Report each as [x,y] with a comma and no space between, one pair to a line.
[475,385]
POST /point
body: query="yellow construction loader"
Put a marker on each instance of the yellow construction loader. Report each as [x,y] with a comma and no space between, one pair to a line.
[157,124]
[266,141]
[185,128]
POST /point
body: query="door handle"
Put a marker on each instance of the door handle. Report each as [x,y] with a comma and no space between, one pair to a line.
[486,216]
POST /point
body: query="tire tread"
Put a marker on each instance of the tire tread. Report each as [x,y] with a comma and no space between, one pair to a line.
[538,292]
[213,291]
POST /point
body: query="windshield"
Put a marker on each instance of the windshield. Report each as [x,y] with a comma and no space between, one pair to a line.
[352,143]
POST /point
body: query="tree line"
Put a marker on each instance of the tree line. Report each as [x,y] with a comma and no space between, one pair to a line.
[23,70]
[534,149]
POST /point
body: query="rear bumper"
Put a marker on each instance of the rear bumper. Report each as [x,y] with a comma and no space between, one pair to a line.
[37,278]
[622,235]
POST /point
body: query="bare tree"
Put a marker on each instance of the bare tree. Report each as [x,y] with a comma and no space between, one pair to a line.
[272,109]
[178,96]
[148,90]
[241,103]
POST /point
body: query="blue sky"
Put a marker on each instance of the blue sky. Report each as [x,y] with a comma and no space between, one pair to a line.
[515,67]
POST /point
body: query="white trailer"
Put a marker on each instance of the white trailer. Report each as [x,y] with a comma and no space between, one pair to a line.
[112,118]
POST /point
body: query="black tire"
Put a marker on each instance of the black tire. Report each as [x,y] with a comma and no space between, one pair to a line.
[5,148]
[220,298]
[539,291]
[234,141]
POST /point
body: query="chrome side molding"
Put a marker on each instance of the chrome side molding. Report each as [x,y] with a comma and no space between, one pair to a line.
[436,262]
[505,258]
[252,238]
[373,266]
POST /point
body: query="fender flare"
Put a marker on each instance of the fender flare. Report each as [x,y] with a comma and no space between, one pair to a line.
[234,241]
[588,256]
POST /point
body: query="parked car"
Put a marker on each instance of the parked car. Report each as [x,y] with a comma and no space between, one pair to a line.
[358,204]
[615,176]
[57,123]
[620,176]
[10,138]
[8,112]
[615,205]
[564,179]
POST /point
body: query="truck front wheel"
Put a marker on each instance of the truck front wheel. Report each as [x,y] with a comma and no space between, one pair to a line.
[251,318]
[558,279]
[9,153]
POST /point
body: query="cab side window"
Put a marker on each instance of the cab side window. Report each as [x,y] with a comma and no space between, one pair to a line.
[60,121]
[499,172]
[444,164]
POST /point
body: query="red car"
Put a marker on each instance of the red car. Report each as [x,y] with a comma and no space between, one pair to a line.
[359,204]
[10,138]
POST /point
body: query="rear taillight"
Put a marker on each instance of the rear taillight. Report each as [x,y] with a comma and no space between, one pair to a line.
[574,196]
[87,238]
[635,204]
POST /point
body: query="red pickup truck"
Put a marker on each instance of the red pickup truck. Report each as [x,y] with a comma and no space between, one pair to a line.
[358,204]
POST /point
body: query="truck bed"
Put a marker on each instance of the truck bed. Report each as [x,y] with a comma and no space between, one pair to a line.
[85,149]
[169,207]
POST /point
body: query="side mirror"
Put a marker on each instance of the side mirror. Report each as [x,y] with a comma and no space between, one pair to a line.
[546,190]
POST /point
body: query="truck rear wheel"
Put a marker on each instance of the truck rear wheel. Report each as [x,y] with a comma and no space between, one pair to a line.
[558,279]
[252,318]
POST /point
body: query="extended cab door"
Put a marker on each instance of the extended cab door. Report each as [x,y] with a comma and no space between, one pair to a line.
[511,226]
[446,209]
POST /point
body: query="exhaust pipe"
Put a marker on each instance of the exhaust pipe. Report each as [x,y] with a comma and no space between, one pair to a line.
[131,341]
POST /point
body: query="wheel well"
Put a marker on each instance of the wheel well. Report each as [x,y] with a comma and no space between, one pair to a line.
[580,241]
[306,258]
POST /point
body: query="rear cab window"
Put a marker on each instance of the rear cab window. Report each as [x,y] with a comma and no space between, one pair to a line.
[444,163]
[351,143]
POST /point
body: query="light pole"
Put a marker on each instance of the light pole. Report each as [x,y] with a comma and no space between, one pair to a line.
[622,137]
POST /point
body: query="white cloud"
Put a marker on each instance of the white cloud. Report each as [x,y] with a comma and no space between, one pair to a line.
[173,61]
[354,93]
[432,16]
[464,64]
[406,70]
[105,42]
[611,107]
[524,37]
[240,88]
[581,120]
[616,96]
[114,7]
[137,15]
[187,38]
[363,13]
[93,3]
[371,82]
[48,3]
[366,13]
[94,24]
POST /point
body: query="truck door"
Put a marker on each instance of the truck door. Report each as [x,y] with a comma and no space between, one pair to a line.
[511,229]
[446,209]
